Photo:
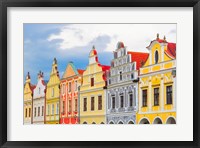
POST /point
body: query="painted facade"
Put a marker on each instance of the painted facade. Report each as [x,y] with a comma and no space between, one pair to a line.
[93,92]
[69,94]
[53,96]
[157,85]
[39,100]
[122,90]
[28,96]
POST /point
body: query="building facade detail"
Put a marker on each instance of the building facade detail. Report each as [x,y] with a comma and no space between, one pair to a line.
[157,85]
[122,90]
[53,96]
[39,100]
[93,92]
[28,96]
[69,94]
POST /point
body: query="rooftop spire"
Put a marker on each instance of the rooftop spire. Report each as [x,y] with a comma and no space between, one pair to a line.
[93,47]
[164,38]
[54,61]
[157,35]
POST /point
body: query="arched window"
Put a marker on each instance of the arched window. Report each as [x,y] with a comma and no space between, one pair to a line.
[156,57]
[84,122]
[111,122]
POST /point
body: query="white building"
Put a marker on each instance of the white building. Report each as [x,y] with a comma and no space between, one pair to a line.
[38,113]
[122,90]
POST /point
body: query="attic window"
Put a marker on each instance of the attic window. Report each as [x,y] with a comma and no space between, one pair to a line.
[156,57]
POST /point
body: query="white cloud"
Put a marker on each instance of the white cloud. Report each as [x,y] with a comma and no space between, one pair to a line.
[135,36]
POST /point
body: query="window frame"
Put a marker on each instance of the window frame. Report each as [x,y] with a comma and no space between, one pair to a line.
[144,102]
[92,103]
[100,102]
[171,94]
[157,94]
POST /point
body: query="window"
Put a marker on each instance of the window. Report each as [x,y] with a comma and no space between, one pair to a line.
[52,111]
[76,104]
[29,112]
[144,98]
[131,100]
[57,108]
[92,103]
[76,85]
[42,110]
[113,102]
[63,107]
[70,86]
[38,111]
[85,104]
[92,81]
[52,92]
[99,102]
[156,57]
[121,101]
[63,88]
[26,113]
[35,112]
[120,75]
[70,106]
[169,94]
[156,96]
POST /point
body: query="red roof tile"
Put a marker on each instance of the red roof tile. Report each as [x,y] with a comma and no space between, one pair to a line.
[80,71]
[139,58]
[32,87]
[171,50]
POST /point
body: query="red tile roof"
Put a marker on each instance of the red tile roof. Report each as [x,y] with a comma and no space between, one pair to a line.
[32,87]
[139,58]
[171,50]
[80,71]
[104,69]
[44,83]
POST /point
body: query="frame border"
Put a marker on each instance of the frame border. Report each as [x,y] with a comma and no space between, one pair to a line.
[99,3]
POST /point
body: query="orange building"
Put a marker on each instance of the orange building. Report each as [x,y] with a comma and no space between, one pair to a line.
[70,82]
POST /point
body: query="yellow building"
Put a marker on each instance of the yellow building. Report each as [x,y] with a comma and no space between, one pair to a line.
[28,96]
[157,84]
[93,92]
[53,96]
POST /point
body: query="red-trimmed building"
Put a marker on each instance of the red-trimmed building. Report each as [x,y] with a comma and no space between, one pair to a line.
[93,91]
[28,99]
[69,94]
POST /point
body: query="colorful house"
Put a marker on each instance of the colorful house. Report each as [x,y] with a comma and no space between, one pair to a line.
[53,96]
[28,96]
[39,99]
[93,92]
[69,94]
[157,85]
[122,90]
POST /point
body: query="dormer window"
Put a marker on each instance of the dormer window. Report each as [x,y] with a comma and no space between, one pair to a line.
[120,76]
[92,82]
[156,57]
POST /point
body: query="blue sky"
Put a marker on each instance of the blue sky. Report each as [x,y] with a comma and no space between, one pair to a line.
[73,42]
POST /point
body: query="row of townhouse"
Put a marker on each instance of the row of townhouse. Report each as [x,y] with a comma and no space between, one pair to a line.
[138,88]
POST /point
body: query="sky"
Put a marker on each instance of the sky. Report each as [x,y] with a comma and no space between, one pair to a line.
[73,42]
